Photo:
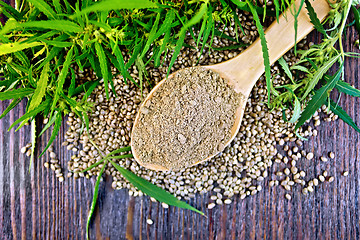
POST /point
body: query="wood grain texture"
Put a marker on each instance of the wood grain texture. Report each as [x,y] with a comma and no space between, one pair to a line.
[34,205]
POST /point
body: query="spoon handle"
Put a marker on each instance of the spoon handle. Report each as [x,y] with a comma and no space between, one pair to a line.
[244,70]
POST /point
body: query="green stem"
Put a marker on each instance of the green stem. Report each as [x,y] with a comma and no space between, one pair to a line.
[96,146]
[342,29]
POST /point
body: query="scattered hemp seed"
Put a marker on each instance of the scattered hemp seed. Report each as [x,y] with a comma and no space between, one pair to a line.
[227,201]
[28,153]
[52,155]
[213,197]
[324,159]
[331,179]
[346,173]
[310,156]
[149,221]
[164,205]
[331,155]
[23,149]
[211,205]
[272,183]
[322,178]
[288,197]
[315,182]
[46,164]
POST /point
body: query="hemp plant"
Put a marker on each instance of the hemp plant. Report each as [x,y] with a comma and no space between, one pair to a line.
[314,89]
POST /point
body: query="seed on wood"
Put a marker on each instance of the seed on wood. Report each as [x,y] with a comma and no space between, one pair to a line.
[310,156]
[311,183]
[324,159]
[346,173]
[23,149]
[28,153]
[46,164]
[211,205]
[288,197]
[149,221]
[271,183]
[315,181]
[213,197]
[52,155]
[227,201]
[331,155]
[321,178]
[331,179]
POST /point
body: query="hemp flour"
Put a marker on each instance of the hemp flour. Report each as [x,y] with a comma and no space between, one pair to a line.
[188,119]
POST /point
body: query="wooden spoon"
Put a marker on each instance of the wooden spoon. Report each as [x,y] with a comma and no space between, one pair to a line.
[280,38]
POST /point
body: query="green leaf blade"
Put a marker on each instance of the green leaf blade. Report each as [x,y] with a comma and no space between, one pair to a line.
[94,200]
[265,50]
[44,8]
[54,133]
[103,67]
[297,111]
[318,99]
[347,88]
[16,93]
[107,5]
[13,104]
[152,190]
[31,113]
[62,76]
[124,149]
[314,19]
[40,90]
[336,109]
[179,43]
[8,48]
[286,68]
[60,25]
[357,18]
[319,74]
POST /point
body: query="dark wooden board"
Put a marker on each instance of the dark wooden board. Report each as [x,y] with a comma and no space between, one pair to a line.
[34,205]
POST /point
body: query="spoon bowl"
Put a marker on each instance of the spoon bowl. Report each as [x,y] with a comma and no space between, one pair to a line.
[243,71]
